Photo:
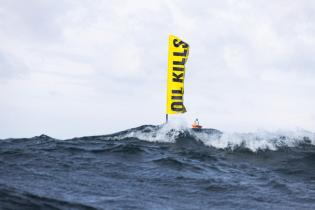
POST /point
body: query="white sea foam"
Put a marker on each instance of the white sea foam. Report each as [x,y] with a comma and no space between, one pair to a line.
[164,133]
[258,140]
[254,141]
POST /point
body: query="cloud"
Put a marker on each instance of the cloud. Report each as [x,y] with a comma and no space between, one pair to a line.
[93,67]
[11,67]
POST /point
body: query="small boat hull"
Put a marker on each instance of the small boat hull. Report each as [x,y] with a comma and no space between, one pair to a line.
[196,126]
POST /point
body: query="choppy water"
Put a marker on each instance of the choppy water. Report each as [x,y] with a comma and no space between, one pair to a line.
[154,167]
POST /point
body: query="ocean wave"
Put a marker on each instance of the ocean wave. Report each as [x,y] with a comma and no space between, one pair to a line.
[170,133]
[260,140]
[254,141]
[180,167]
[11,198]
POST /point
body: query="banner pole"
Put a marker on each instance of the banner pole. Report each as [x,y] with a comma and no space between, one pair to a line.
[166,118]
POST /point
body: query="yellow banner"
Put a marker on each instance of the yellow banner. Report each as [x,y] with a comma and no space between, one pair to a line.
[177,56]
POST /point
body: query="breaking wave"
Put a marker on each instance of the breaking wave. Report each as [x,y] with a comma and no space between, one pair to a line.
[254,141]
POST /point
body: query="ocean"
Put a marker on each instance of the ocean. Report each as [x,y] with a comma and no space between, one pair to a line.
[158,167]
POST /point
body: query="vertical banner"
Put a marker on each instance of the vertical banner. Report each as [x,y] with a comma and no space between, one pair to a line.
[178,52]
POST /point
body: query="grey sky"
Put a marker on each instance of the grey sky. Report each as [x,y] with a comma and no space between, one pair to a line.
[73,68]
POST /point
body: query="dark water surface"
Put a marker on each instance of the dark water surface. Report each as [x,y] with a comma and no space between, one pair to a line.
[180,171]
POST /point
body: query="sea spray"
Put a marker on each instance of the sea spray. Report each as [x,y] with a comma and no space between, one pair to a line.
[260,140]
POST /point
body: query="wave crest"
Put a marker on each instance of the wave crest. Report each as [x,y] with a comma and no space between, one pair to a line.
[254,141]
[260,140]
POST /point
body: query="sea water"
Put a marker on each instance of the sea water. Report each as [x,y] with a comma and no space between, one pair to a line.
[160,167]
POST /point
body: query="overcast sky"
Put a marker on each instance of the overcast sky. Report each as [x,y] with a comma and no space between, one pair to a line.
[88,67]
